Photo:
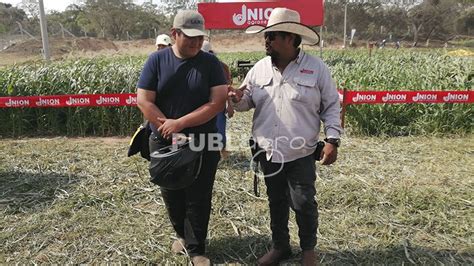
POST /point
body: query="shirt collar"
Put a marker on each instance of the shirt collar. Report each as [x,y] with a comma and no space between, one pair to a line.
[300,56]
[297,60]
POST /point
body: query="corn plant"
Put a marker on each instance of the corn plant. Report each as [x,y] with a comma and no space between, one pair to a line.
[352,69]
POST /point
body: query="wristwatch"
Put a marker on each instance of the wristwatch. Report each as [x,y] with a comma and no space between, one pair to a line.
[333,141]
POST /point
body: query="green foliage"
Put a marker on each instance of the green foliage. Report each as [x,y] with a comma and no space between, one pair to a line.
[117,18]
[112,75]
[465,23]
[354,70]
[8,17]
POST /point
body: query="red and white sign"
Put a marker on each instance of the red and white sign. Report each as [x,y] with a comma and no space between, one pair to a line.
[243,14]
[373,97]
[347,97]
[85,100]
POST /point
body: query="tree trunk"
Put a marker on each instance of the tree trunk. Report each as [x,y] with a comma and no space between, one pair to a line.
[415,35]
[429,36]
[416,30]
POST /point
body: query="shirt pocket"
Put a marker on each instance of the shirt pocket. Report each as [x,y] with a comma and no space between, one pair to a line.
[260,90]
[304,90]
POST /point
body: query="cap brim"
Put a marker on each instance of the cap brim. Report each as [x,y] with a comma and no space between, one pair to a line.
[308,35]
[194,32]
[162,43]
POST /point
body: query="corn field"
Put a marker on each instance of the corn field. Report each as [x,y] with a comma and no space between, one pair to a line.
[354,70]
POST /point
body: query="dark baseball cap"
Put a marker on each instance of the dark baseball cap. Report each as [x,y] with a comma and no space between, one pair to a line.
[190,22]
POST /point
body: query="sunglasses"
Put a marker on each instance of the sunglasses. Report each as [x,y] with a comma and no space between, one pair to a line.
[271,35]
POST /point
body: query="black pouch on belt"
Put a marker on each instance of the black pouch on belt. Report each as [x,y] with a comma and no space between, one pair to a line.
[255,149]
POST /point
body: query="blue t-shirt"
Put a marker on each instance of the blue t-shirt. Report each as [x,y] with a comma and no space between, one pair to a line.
[182,85]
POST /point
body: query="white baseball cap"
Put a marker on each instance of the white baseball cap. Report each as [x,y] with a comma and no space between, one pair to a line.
[190,22]
[206,47]
[163,39]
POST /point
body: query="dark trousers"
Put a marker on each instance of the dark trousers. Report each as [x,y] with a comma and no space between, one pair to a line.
[189,208]
[292,186]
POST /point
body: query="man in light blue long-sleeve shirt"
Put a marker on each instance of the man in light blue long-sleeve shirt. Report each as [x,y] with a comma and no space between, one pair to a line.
[292,93]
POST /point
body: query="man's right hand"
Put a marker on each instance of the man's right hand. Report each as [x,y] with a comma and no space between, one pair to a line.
[236,95]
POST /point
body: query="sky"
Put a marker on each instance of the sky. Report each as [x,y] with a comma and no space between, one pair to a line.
[58,5]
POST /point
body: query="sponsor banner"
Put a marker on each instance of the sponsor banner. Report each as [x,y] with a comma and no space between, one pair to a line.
[85,100]
[391,97]
[130,99]
[243,14]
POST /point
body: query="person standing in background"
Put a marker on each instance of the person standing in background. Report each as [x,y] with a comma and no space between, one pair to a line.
[228,112]
[162,41]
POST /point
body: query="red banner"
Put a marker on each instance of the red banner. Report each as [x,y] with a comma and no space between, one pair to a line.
[130,99]
[85,100]
[240,15]
[390,97]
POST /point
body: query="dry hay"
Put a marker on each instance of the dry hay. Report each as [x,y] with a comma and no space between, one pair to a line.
[386,200]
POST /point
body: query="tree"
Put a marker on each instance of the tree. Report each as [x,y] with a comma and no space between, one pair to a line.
[68,18]
[434,18]
[120,19]
[465,22]
[171,7]
[9,16]
[31,7]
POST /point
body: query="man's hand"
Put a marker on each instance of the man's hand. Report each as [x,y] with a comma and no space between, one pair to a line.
[236,95]
[169,126]
[230,111]
[329,154]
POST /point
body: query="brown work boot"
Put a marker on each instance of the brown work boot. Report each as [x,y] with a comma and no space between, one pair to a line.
[308,258]
[178,246]
[201,261]
[273,257]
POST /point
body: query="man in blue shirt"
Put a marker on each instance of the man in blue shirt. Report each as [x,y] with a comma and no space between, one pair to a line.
[181,90]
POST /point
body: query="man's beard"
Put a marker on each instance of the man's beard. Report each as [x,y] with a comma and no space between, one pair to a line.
[273,54]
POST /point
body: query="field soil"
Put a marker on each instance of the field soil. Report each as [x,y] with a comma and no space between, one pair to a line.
[27,50]
[63,48]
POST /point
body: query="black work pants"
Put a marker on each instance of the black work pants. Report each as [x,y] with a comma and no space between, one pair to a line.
[189,208]
[292,185]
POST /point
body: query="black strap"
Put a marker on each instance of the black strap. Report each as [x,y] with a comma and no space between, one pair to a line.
[256,180]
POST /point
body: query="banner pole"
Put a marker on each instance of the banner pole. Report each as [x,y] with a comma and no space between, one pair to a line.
[343,112]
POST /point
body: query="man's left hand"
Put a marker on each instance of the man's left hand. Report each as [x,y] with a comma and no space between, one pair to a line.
[329,154]
[169,126]
[230,111]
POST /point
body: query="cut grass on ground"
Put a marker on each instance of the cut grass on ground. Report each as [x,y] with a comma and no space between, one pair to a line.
[386,200]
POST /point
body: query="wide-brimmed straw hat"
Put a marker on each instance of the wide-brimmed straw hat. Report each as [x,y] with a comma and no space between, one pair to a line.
[288,20]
